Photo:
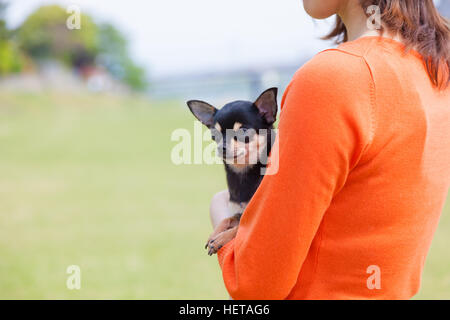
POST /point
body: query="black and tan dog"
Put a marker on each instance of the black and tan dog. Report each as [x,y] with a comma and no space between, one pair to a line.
[243,131]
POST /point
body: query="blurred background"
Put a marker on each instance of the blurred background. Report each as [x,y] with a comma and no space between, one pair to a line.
[86,117]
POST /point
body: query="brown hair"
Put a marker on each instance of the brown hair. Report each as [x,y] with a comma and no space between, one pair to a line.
[421,27]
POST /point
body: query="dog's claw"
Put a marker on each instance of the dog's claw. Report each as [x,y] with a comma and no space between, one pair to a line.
[211,250]
[208,243]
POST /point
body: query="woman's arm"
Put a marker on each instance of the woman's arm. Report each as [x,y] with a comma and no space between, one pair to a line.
[325,125]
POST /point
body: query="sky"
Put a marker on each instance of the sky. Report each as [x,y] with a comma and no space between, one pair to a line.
[171,37]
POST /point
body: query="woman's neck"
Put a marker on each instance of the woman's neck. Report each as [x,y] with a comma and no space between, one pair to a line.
[357,22]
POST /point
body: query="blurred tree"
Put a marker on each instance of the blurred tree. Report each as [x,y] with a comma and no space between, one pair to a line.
[44,35]
[135,76]
[10,57]
[4,32]
[115,58]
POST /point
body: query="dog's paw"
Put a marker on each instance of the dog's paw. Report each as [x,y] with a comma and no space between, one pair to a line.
[217,242]
[226,224]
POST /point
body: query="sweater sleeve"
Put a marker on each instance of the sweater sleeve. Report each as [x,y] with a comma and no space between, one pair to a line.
[326,123]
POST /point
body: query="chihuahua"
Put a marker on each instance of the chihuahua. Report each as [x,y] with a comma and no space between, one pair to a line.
[244,134]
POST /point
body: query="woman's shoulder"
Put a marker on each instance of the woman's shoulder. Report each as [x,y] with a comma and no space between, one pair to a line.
[334,84]
[334,65]
[335,71]
[348,60]
[334,79]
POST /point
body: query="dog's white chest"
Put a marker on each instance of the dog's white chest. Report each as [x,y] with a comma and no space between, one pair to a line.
[235,207]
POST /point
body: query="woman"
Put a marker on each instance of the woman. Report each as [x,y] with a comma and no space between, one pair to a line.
[364,163]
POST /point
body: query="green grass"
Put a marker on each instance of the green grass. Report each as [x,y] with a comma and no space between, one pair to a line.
[87,180]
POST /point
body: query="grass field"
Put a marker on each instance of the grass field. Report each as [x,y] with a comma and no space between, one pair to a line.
[87,180]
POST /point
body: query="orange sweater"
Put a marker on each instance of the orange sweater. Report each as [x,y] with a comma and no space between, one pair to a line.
[364,170]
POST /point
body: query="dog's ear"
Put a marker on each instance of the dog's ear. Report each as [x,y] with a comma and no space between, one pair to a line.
[203,111]
[267,105]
